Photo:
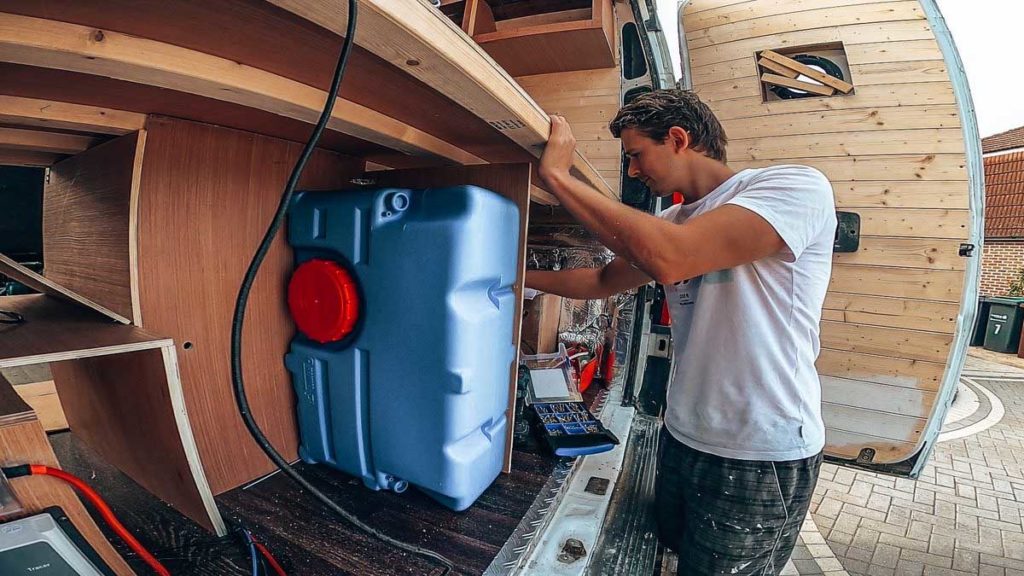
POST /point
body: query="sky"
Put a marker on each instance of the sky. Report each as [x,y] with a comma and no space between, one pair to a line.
[990,40]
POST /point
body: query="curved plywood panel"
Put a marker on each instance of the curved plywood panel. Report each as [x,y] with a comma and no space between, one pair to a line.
[895,152]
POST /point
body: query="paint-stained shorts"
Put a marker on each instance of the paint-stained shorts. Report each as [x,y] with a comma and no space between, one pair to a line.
[726,516]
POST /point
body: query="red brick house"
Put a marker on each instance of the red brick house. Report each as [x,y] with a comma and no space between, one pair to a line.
[1004,210]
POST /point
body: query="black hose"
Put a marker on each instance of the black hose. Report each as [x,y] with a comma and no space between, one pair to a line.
[242,300]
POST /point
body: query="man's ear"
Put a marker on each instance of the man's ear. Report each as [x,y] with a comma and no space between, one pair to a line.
[678,138]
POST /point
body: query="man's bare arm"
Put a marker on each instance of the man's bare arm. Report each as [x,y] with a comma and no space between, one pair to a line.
[588,283]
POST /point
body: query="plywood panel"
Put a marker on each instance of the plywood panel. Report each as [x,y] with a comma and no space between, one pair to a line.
[922,284]
[55,331]
[895,342]
[87,216]
[25,442]
[121,406]
[892,312]
[25,276]
[206,198]
[513,182]
[928,253]
[42,397]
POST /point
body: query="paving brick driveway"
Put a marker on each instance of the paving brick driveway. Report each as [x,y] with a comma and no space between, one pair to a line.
[962,517]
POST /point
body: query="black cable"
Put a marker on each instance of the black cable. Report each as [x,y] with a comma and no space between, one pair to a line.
[243,298]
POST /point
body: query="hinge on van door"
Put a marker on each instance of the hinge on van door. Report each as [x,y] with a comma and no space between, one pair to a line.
[847,232]
[967,250]
[866,456]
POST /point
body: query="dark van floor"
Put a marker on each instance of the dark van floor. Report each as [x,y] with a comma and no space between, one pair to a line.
[305,537]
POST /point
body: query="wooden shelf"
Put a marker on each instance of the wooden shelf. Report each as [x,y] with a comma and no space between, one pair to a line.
[54,331]
[564,41]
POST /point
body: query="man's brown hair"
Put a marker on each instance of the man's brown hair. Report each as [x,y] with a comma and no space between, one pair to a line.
[655,112]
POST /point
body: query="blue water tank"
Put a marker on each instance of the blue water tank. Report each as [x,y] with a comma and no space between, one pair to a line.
[417,393]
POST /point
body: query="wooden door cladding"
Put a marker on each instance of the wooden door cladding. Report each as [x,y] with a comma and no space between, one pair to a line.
[895,154]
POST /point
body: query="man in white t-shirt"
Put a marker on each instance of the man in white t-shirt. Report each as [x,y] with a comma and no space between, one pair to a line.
[745,262]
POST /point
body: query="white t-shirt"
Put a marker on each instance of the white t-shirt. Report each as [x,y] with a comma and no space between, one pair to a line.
[745,339]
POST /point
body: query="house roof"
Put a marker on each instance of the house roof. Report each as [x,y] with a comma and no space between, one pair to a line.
[1004,196]
[1003,141]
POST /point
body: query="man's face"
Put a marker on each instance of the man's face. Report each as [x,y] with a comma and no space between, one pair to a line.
[650,161]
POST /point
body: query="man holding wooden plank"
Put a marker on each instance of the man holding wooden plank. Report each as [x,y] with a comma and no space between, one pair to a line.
[745,262]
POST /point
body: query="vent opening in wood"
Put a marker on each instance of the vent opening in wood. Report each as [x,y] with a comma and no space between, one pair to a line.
[815,71]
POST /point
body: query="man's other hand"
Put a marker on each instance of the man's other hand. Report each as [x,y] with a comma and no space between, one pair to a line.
[558,154]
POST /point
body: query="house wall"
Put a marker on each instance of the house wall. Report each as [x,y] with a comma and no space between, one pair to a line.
[1000,265]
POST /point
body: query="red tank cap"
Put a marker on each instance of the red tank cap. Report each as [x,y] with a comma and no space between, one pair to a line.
[323,300]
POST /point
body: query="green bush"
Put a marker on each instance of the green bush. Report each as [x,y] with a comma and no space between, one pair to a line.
[1017,284]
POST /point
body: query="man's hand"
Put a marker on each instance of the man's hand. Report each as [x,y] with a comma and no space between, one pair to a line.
[558,154]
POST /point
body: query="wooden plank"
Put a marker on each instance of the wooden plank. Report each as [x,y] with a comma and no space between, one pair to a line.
[51,44]
[859,144]
[66,116]
[777,80]
[214,190]
[16,271]
[910,344]
[927,253]
[42,141]
[786,62]
[865,98]
[915,223]
[939,317]
[699,17]
[545,18]
[883,168]
[932,194]
[877,397]
[878,52]
[478,18]
[777,68]
[883,425]
[87,220]
[55,331]
[43,398]
[27,158]
[513,182]
[123,407]
[844,121]
[883,369]
[550,48]
[920,284]
[918,71]
[25,442]
[734,47]
[448,61]
[837,17]
[848,445]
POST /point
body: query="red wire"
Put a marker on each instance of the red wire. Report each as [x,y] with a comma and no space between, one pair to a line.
[270,557]
[106,512]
